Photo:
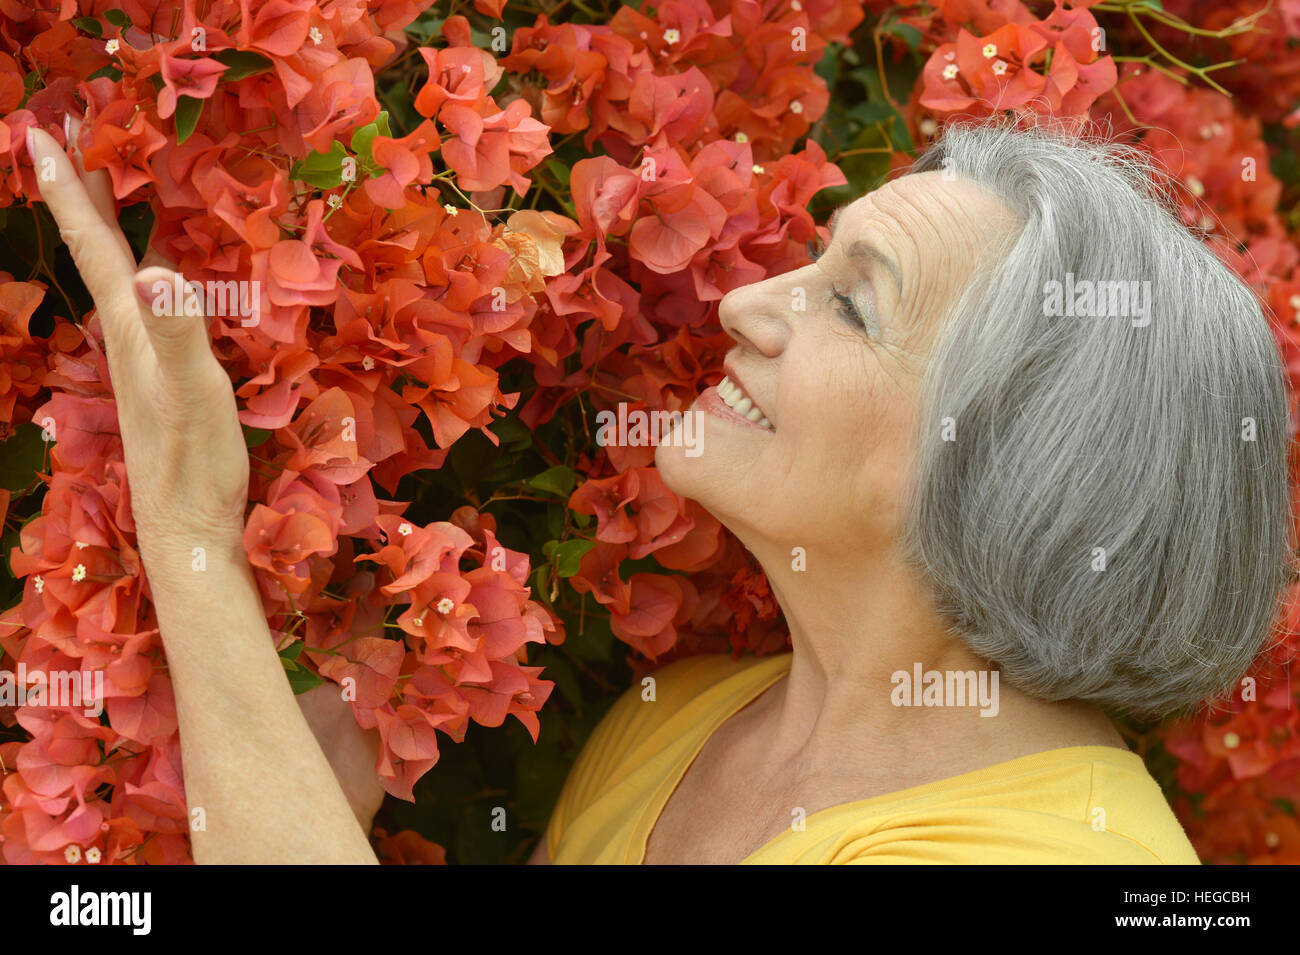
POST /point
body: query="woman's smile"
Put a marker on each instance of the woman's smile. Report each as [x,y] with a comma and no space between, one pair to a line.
[727,402]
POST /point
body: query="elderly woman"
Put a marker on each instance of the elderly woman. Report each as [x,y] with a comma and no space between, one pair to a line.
[1012,449]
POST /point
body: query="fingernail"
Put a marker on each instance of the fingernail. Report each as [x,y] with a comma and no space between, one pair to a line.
[31,142]
[142,290]
[67,126]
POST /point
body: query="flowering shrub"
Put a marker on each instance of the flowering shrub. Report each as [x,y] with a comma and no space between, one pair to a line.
[469,231]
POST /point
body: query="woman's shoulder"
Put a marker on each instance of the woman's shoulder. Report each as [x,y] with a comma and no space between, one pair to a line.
[1090,805]
[657,715]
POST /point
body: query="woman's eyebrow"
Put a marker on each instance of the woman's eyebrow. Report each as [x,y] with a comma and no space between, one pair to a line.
[861,249]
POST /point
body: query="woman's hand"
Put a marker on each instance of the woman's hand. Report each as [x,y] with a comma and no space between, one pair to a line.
[352,752]
[254,770]
[186,458]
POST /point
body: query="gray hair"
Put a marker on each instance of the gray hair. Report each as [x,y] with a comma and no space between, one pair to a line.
[1107,517]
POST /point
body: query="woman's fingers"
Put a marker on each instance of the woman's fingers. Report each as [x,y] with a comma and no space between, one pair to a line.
[98,185]
[105,266]
[174,320]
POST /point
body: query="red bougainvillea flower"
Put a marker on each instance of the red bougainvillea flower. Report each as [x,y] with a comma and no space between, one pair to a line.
[461,76]
[121,141]
[192,77]
[22,361]
[280,539]
[490,150]
[992,72]
[1079,72]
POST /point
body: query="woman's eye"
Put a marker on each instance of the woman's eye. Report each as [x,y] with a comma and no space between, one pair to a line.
[843,303]
[849,310]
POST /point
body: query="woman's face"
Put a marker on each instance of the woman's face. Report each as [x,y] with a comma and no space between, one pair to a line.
[833,355]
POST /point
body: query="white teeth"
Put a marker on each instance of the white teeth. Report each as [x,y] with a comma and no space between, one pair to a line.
[741,403]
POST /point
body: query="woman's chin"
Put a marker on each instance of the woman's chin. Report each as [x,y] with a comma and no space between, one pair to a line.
[708,479]
[676,469]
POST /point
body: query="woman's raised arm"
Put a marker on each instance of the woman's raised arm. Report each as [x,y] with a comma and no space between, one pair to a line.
[251,764]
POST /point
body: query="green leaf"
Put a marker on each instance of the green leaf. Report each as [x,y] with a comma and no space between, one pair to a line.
[869,113]
[829,67]
[558,480]
[555,519]
[583,520]
[867,170]
[322,170]
[907,33]
[642,565]
[89,25]
[118,18]
[21,456]
[255,437]
[292,651]
[187,116]
[559,170]
[109,70]
[242,63]
[364,136]
[425,28]
[569,554]
[538,582]
[512,432]
[301,680]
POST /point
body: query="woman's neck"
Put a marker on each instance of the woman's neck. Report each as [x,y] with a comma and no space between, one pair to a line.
[879,684]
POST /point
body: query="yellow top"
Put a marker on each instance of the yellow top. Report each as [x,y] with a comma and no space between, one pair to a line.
[1078,804]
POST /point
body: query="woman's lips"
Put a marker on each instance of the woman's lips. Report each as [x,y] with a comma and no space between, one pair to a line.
[710,401]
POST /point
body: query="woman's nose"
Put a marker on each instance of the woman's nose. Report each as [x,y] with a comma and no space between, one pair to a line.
[759,315]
